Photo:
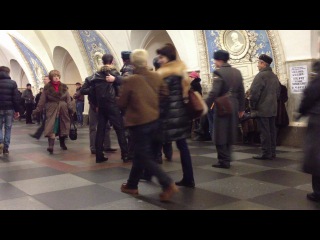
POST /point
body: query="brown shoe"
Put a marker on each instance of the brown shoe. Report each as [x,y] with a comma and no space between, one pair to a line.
[125,189]
[168,192]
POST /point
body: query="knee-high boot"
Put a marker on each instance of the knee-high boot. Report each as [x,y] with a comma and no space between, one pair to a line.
[62,143]
[51,144]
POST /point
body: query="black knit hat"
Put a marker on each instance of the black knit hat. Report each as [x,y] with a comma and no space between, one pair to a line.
[265,58]
[125,55]
[221,55]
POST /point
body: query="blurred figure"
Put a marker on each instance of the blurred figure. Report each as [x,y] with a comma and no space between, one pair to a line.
[104,97]
[310,105]
[141,116]
[9,107]
[175,116]
[225,128]
[79,104]
[167,146]
[126,70]
[39,116]
[28,97]
[40,130]
[282,119]
[264,93]
[56,99]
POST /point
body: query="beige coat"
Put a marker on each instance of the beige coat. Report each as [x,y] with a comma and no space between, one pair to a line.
[57,104]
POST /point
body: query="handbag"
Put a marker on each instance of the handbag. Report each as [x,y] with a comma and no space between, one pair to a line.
[73,135]
[223,103]
[196,105]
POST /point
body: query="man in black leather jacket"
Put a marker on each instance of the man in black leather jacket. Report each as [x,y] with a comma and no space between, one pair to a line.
[104,97]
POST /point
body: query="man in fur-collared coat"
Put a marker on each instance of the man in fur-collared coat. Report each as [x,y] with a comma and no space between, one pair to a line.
[56,99]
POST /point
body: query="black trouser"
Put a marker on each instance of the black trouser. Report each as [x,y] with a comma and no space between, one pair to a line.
[268,135]
[316,185]
[29,109]
[145,152]
[224,154]
[167,150]
[111,114]
[130,143]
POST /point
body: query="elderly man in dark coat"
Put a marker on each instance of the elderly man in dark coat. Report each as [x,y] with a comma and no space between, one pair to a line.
[226,78]
[310,105]
[264,93]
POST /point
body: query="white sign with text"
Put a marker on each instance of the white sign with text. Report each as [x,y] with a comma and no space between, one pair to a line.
[299,78]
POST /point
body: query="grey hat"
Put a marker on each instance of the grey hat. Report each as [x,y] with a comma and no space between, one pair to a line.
[125,54]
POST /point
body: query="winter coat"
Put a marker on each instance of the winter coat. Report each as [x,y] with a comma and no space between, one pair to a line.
[282,119]
[9,95]
[225,128]
[57,104]
[176,119]
[196,86]
[310,105]
[104,93]
[28,97]
[140,94]
[264,93]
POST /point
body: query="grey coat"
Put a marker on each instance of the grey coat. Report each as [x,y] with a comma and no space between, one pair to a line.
[264,93]
[310,105]
[225,128]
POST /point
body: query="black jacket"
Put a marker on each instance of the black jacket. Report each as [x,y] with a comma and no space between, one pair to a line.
[196,86]
[9,95]
[104,93]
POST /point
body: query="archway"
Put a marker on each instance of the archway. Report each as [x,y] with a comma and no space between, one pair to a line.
[64,63]
[17,74]
[150,40]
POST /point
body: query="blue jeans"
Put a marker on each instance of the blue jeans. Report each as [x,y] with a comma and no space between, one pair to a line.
[80,109]
[6,118]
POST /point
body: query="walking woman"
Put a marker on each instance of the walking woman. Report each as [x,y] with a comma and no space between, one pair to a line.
[310,106]
[57,100]
[176,119]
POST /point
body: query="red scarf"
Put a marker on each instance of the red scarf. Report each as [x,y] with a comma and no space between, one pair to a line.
[55,85]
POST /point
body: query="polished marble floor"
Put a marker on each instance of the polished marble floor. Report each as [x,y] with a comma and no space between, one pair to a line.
[30,178]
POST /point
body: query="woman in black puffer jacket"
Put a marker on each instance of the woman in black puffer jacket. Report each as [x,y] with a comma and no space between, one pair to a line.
[175,116]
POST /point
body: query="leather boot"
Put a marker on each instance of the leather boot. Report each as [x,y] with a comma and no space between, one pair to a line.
[62,143]
[51,144]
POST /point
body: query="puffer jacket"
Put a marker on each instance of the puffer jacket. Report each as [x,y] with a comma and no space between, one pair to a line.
[9,95]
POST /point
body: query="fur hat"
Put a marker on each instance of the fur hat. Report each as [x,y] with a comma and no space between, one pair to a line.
[125,55]
[169,51]
[139,57]
[265,58]
[221,55]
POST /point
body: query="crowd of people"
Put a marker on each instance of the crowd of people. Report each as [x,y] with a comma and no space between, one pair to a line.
[148,111]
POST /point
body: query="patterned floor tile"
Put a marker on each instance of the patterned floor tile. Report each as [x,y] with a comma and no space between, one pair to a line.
[280,176]
[50,184]
[287,199]
[242,205]
[22,203]
[237,168]
[7,191]
[77,198]
[239,187]
[24,174]
[125,204]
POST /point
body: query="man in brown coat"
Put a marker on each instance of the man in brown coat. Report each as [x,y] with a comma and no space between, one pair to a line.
[139,97]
